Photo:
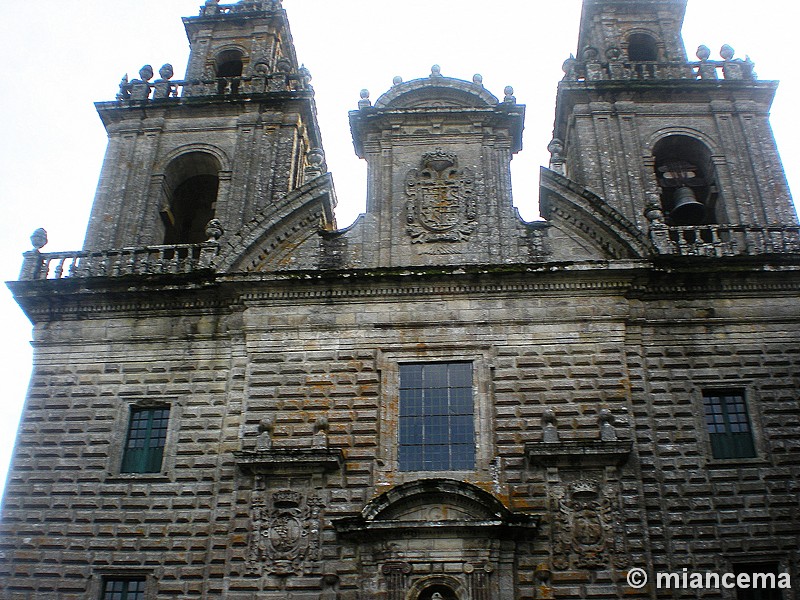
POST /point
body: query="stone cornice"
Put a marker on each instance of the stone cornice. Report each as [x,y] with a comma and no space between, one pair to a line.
[290,460]
[46,300]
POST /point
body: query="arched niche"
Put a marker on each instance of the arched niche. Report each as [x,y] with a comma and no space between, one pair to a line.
[191,185]
[687,179]
[642,47]
[229,63]
[447,588]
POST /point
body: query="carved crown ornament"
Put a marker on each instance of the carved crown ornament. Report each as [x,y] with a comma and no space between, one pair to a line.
[440,205]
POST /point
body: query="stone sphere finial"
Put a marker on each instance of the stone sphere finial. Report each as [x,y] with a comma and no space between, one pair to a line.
[397,80]
[436,71]
[509,95]
[146,73]
[590,54]
[548,417]
[607,431]
[569,64]
[214,230]
[166,71]
[284,65]
[703,52]
[555,147]
[364,102]
[315,157]
[605,416]
[265,425]
[477,79]
[39,238]
[727,52]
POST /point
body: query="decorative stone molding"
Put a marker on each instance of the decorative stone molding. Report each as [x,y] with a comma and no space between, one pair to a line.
[579,453]
[290,460]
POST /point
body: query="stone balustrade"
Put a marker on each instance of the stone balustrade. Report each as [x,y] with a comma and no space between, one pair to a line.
[163,89]
[212,8]
[627,71]
[727,240]
[151,260]
[704,240]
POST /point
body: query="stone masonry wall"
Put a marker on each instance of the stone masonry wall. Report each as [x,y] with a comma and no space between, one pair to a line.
[294,353]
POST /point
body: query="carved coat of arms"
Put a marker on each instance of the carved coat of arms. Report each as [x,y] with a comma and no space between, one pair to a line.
[586,526]
[286,533]
[440,203]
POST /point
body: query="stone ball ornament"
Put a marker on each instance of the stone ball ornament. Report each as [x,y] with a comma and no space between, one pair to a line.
[39,238]
[727,52]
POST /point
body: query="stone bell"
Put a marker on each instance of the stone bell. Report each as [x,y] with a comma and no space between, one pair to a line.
[686,209]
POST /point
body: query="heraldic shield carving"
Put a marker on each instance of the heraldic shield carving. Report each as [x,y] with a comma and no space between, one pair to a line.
[586,530]
[286,534]
[441,201]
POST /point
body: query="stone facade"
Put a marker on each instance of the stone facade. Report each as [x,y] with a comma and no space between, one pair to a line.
[594,338]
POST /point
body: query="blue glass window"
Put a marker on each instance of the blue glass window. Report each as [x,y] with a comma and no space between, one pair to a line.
[123,589]
[437,417]
[147,434]
[728,424]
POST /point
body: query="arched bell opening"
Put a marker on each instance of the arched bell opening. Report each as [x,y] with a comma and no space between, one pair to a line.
[687,178]
[191,187]
[229,66]
[229,63]
[642,47]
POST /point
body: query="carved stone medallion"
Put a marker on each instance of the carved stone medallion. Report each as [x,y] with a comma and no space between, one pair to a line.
[286,533]
[440,203]
[586,529]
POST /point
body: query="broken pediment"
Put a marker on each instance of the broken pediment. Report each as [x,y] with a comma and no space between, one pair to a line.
[585,222]
[429,506]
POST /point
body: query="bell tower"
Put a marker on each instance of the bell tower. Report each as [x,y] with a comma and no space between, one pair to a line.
[664,140]
[226,143]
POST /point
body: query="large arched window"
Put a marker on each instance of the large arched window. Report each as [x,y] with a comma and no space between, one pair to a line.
[642,48]
[191,186]
[687,179]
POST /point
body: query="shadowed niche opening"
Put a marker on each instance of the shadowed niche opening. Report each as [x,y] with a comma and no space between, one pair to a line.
[229,63]
[642,48]
[191,186]
[437,592]
[686,176]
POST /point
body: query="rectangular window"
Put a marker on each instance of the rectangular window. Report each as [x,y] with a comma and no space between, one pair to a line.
[765,590]
[123,589]
[728,424]
[147,434]
[437,417]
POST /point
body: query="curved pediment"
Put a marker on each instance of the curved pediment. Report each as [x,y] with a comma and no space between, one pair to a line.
[588,221]
[274,239]
[434,500]
[428,507]
[437,92]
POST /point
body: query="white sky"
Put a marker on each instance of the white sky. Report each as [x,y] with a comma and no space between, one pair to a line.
[63,56]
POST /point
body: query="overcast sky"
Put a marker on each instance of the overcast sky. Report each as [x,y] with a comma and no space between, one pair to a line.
[63,56]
